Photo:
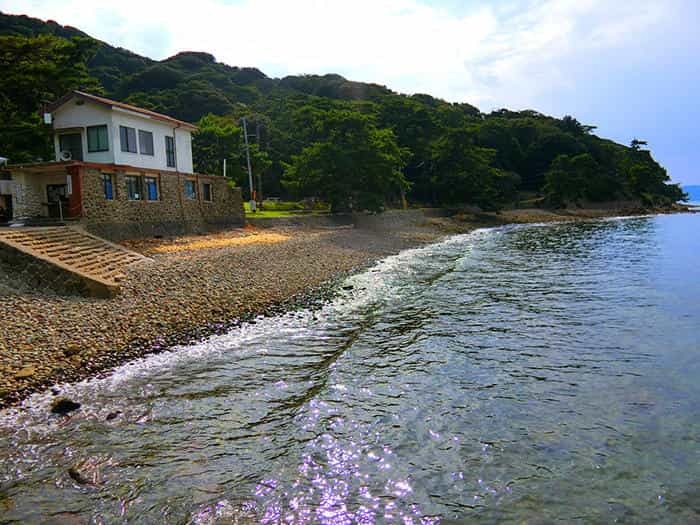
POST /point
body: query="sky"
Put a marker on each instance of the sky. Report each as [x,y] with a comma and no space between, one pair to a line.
[630,67]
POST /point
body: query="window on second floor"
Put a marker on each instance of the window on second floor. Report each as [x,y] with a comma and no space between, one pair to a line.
[191,190]
[170,151]
[127,137]
[97,139]
[72,143]
[134,188]
[145,142]
[151,184]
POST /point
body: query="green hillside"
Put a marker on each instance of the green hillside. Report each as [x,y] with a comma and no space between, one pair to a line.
[348,143]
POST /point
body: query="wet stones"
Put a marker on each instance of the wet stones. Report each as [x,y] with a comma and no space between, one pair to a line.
[76,476]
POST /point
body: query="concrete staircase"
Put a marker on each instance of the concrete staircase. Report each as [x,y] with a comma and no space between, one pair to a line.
[67,259]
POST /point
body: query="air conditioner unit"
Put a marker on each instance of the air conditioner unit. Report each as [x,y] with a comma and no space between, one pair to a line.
[65,155]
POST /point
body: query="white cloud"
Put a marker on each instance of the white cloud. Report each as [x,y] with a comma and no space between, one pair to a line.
[508,54]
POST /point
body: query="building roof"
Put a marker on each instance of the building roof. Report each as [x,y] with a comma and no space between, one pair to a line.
[115,104]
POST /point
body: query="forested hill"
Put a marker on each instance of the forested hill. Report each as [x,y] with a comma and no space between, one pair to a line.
[349,143]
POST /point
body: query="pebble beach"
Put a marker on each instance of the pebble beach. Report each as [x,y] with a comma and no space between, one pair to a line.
[190,288]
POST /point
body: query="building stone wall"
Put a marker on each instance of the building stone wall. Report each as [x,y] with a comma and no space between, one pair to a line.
[29,196]
[171,214]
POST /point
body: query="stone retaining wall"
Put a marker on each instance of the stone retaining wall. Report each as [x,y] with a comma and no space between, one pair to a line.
[29,193]
[42,273]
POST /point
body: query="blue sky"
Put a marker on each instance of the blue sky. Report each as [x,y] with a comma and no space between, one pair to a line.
[629,67]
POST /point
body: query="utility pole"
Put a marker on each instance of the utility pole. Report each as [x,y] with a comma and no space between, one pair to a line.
[224,167]
[257,140]
[250,171]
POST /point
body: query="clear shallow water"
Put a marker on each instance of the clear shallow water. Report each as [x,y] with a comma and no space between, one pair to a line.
[543,372]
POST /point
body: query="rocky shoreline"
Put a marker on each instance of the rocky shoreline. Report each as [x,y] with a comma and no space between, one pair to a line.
[183,295]
[178,298]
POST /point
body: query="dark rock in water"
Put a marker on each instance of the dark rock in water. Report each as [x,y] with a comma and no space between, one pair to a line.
[348,287]
[64,406]
[113,415]
[77,476]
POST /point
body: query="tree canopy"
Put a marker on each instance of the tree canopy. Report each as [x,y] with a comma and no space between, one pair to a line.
[354,166]
[36,71]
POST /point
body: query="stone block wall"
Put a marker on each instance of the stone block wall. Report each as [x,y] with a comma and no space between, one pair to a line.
[29,194]
[42,273]
[172,214]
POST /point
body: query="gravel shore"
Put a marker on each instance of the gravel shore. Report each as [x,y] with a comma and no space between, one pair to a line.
[191,288]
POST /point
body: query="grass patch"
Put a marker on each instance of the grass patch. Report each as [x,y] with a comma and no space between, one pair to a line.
[273,209]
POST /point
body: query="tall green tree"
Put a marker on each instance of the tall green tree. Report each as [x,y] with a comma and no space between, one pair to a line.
[217,138]
[260,164]
[647,178]
[464,172]
[415,125]
[355,166]
[567,181]
[33,72]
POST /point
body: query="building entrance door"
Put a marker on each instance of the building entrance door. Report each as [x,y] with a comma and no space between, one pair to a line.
[5,208]
[57,200]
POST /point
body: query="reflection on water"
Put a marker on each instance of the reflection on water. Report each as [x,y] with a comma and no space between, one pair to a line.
[527,372]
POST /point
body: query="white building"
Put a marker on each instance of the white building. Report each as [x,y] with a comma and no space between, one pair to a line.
[90,128]
[119,171]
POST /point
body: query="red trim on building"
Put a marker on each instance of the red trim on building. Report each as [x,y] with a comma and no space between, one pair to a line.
[53,166]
